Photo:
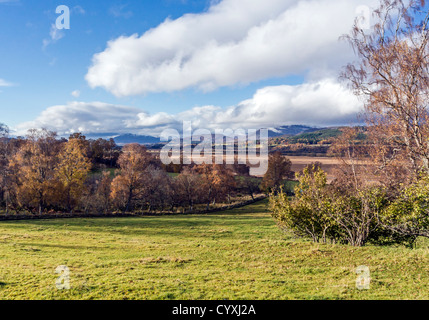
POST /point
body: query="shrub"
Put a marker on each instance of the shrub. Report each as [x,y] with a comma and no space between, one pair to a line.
[355,214]
[323,212]
[408,214]
[307,215]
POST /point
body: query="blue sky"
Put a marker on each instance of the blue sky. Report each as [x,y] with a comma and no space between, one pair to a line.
[142,66]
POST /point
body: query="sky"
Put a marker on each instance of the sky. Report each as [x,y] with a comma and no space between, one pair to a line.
[144,66]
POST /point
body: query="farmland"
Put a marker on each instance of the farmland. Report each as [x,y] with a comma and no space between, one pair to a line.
[239,254]
[328,164]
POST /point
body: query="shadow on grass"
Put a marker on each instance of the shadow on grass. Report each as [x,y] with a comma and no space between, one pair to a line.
[253,216]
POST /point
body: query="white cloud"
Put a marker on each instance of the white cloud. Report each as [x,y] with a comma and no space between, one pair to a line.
[94,117]
[324,102]
[55,34]
[4,83]
[234,42]
[76,93]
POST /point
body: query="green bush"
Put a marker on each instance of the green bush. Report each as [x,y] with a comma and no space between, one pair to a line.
[408,214]
[307,215]
[355,216]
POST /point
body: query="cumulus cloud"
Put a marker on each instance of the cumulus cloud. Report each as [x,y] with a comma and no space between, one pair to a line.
[94,117]
[234,42]
[325,102]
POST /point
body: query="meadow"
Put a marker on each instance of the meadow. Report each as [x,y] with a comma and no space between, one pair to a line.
[237,254]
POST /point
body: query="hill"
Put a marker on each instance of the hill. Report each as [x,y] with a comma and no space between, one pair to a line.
[133,138]
[315,137]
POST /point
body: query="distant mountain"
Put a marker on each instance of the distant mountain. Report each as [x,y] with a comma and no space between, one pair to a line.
[122,139]
[290,130]
[133,138]
[127,138]
[96,136]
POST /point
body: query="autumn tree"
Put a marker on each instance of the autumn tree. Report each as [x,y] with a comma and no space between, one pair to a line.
[9,177]
[34,167]
[224,182]
[155,188]
[217,182]
[188,187]
[172,194]
[103,191]
[355,167]
[392,77]
[207,190]
[4,164]
[72,170]
[104,152]
[279,169]
[96,193]
[81,139]
[128,185]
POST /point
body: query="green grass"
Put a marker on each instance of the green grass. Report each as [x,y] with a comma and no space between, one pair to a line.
[240,254]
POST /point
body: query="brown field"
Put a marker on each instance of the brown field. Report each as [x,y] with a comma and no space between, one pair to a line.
[328,164]
[300,162]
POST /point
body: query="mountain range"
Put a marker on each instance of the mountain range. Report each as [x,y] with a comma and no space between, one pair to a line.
[123,139]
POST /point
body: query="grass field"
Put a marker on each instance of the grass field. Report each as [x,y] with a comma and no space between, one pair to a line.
[240,254]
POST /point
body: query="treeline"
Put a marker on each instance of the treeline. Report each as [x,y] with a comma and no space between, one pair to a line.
[42,173]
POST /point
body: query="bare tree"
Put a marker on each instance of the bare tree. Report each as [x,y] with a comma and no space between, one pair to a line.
[392,75]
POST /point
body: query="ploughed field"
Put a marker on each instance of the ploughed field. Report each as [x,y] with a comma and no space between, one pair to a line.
[239,254]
